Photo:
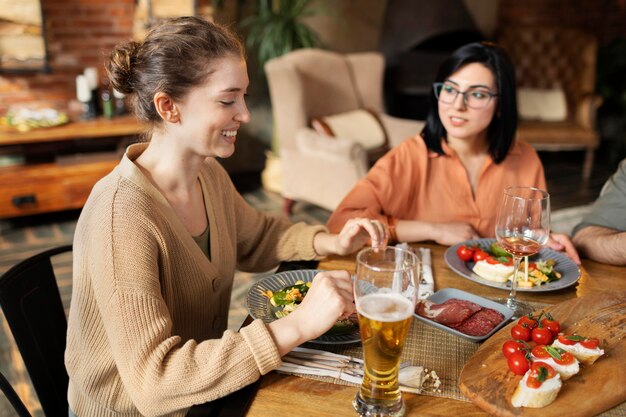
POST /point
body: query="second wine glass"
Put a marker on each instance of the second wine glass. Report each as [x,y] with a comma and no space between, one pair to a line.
[522,228]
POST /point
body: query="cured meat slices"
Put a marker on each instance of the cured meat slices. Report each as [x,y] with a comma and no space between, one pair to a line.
[481,323]
[451,312]
[462,315]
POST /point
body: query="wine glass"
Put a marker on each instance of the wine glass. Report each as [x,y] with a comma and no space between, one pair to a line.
[522,227]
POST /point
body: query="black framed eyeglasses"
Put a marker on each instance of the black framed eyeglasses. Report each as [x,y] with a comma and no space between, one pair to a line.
[474,98]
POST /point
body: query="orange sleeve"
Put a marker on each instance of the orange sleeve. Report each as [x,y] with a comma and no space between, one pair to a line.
[379,194]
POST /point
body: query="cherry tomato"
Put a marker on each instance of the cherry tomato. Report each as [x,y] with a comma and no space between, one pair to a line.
[566,359]
[465,253]
[559,356]
[529,321]
[551,324]
[479,255]
[564,339]
[510,347]
[520,332]
[590,343]
[494,261]
[542,336]
[539,372]
[540,352]
[518,364]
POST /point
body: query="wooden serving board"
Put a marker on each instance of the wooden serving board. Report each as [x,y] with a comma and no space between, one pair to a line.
[488,383]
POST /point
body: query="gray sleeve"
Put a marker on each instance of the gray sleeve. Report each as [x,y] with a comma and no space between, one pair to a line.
[609,210]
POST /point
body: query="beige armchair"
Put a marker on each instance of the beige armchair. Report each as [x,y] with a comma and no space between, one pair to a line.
[552,57]
[312,83]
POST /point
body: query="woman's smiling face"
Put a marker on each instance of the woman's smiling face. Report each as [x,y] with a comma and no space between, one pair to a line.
[459,120]
[212,113]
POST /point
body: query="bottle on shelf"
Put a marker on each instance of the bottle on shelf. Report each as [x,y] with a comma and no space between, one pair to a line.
[84,96]
[94,84]
[107,103]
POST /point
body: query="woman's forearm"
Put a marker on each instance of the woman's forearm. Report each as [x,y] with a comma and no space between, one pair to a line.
[602,244]
[442,233]
[414,231]
[287,334]
[325,244]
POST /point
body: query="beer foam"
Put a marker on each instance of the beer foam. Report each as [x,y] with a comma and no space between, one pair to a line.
[385,307]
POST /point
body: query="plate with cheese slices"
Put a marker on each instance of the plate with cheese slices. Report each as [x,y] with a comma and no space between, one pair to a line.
[548,270]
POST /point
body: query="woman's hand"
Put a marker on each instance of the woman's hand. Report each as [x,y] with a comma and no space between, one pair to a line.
[359,232]
[329,299]
[561,242]
[355,234]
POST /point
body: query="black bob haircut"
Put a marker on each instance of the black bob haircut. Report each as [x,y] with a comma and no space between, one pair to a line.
[501,131]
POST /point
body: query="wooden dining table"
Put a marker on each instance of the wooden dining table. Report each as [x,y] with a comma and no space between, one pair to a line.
[286,395]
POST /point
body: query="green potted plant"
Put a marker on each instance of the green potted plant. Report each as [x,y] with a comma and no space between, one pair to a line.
[273,29]
[276,28]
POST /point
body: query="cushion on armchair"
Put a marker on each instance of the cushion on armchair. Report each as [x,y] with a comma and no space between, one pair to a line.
[548,105]
[361,126]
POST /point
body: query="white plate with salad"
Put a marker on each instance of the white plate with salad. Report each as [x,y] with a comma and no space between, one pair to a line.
[277,295]
[555,269]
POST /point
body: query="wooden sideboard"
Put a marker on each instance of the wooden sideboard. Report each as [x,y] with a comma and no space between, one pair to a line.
[57,167]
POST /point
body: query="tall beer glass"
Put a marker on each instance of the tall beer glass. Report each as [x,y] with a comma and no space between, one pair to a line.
[385,292]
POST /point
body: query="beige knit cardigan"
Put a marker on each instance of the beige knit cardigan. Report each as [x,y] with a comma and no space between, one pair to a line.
[147,324]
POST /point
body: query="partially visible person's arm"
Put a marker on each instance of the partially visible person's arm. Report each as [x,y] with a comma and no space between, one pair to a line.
[601,235]
[602,244]
[562,242]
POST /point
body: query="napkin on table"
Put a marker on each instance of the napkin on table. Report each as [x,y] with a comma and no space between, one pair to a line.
[304,361]
[427,283]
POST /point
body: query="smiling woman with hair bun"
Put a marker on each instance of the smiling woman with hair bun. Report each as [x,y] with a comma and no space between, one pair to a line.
[158,241]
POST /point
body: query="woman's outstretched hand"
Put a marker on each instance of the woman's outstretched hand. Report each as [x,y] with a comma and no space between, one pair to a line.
[329,299]
[355,234]
[359,232]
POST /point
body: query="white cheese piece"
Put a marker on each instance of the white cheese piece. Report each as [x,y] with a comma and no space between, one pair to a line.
[493,272]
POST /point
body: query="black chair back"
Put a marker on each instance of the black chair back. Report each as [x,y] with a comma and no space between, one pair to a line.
[30,300]
[13,398]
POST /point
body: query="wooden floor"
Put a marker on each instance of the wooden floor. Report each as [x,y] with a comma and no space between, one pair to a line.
[24,237]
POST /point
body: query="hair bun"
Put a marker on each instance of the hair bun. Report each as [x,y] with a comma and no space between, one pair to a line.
[120,67]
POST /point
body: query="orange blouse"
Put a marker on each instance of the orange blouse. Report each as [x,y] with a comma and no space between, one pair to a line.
[412,183]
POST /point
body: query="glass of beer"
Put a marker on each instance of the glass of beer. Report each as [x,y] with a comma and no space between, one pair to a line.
[385,292]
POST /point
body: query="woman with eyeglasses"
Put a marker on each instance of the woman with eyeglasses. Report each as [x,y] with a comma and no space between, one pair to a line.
[446,183]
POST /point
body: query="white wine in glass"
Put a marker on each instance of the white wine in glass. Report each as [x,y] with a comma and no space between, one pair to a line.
[522,228]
